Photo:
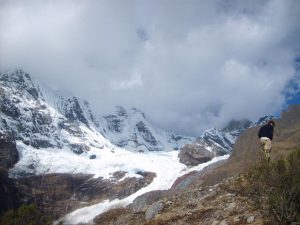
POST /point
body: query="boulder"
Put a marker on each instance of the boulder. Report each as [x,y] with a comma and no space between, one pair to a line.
[193,155]
[250,219]
[223,222]
[93,157]
[153,210]
[141,203]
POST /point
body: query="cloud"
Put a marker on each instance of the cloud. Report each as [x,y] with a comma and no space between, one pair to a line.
[189,65]
[134,81]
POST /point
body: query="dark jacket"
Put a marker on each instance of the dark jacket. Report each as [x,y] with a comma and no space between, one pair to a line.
[266,131]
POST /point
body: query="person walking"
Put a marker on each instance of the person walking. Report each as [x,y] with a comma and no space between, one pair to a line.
[265,135]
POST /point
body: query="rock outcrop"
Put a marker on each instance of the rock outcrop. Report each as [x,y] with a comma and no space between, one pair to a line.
[141,203]
[9,196]
[193,155]
[8,152]
[58,194]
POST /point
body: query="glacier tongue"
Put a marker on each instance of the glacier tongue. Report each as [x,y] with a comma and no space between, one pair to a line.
[164,164]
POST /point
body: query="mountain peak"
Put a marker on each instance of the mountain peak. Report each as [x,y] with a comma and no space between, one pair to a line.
[121,111]
[264,119]
[17,76]
[237,124]
[20,81]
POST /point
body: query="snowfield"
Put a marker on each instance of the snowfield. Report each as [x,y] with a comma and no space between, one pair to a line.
[108,160]
[166,165]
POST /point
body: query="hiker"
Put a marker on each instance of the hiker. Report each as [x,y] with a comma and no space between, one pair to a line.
[265,135]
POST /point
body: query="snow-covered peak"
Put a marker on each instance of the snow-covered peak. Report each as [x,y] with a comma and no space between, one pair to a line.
[224,139]
[264,120]
[62,123]
[128,128]
[21,84]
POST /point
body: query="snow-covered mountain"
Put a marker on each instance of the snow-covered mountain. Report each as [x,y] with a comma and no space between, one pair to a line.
[40,119]
[43,119]
[36,122]
[221,141]
[130,129]
[59,134]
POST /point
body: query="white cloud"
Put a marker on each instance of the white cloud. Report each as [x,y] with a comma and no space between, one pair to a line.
[188,64]
[124,84]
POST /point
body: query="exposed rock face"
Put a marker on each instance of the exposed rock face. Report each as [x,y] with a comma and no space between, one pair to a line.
[23,111]
[225,138]
[8,157]
[153,210]
[8,152]
[191,179]
[73,111]
[9,195]
[192,155]
[58,194]
[146,134]
[130,129]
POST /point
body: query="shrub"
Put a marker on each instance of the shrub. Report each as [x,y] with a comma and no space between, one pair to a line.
[275,184]
[284,198]
[25,215]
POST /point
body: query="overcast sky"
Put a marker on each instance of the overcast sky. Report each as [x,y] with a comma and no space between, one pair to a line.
[187,64]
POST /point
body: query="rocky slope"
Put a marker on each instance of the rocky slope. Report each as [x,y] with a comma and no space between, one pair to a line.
[195,206]
[208,197]
[246,151]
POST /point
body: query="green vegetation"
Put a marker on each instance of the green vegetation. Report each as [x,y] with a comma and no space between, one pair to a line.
[25,215]
[274,187]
